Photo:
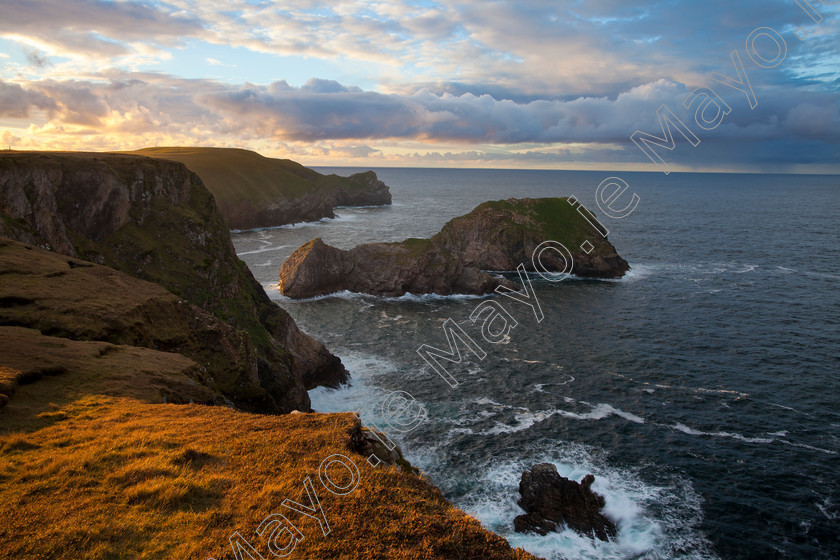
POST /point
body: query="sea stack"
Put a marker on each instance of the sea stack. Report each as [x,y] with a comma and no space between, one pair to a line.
[553,501]
[495,236]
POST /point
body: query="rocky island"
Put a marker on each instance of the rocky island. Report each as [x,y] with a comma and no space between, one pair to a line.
[495,236]
[253,191]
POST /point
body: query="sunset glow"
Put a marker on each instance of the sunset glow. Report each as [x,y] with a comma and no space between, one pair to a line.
[443,83]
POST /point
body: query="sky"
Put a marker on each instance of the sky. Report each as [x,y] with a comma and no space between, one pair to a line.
[560,84]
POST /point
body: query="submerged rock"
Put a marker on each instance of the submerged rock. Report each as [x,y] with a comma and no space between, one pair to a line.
[495,236]
[553,501]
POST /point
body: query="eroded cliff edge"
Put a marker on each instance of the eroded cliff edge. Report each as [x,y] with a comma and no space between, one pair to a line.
[155,220]
[253,191]
[108,447]
[495,236]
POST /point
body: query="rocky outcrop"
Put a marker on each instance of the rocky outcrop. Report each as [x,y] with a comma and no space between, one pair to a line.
[388,269]
[496,236]
[253,191]
[553,501]
[156,221]
[369,444]
[77,300]
[499,235]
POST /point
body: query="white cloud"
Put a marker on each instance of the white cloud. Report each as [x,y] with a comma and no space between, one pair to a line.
[541,73]
[214,62]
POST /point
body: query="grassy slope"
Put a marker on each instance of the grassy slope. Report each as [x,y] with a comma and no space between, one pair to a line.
[85,474]
[69,298]
[543,218]
[235,175]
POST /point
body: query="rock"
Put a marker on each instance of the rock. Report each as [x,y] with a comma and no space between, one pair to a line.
[496,236]
[388,269]
[253,191]
[155,220]
[367,443]
[553,501]
[499,235]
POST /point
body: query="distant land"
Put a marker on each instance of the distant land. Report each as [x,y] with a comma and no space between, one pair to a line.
[253,191]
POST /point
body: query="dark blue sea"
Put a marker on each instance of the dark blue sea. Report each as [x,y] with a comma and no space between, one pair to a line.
[702,390]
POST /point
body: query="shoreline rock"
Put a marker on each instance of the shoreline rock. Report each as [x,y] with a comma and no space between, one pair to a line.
[495,236]
[552,501]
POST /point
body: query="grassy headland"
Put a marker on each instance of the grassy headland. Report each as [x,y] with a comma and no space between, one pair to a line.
[105,450]
[254,191]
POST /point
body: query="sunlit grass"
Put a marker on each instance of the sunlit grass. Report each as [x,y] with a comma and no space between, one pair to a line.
[139,480]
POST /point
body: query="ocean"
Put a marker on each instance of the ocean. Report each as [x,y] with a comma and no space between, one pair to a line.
[701,390]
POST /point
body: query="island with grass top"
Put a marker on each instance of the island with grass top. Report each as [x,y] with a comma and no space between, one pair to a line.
[495,236]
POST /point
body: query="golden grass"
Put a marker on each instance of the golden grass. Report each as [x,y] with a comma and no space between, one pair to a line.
[41,374]
[119,478]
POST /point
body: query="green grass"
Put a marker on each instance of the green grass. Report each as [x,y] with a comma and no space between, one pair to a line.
[553,219]
[236,176]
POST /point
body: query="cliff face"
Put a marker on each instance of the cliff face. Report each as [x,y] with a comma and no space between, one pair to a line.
[501,234]
[80,301]
[253,191]
[155,220]
[496,236]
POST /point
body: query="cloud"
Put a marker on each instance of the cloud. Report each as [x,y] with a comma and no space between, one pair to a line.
[95,28]
[135,104]
[9,139]
[536,49]
[339,113]
[16,102]
[541,80]
[214,62]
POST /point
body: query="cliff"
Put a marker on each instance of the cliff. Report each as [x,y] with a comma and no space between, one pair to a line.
[80,301]
[495,236]
[107,446]
[96,460]
[253,191]
[155,220]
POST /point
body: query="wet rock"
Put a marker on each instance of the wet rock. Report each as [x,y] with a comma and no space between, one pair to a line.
[553,501]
